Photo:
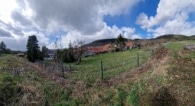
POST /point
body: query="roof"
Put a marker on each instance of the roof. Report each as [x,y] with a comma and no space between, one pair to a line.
[99,49]
[95,49]
[129,44]
[106,47]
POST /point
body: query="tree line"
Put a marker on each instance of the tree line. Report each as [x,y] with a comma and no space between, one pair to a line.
[71,54]
[3,48]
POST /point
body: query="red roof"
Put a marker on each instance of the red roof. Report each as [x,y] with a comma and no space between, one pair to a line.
[106,47]
[99,49]
[129,44]
[95,49]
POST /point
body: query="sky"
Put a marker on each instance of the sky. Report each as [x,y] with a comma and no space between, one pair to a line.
[66,21]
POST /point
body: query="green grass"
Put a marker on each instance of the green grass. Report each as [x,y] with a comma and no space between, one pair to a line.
[113,64]
[177,46]
[132,97]
[137,90]
[28,88]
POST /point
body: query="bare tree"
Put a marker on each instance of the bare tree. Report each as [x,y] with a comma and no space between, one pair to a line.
[79,49]
[58,55]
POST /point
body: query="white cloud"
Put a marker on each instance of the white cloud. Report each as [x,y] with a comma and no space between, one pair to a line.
[106,32]
[79,19]
[172,16]
[6,7]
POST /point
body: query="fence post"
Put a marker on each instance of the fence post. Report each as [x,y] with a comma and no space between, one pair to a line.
[137,59]
[70,68]
[62,67]
[101,70]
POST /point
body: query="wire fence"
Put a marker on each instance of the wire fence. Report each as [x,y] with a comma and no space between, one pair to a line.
[92,72]
[106,70]
[133,62]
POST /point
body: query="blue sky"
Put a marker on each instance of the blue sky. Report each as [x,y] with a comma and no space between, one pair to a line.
[89,20]
[129,20]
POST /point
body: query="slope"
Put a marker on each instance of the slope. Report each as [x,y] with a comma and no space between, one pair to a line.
[163,80]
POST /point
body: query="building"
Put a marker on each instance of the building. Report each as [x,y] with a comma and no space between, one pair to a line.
[51,54]
[21,55]
[110,47]
[129,45]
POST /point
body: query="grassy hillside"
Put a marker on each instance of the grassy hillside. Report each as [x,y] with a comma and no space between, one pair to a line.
[113,64]
[178,45]
[166,79]
[174,37]
[102,42]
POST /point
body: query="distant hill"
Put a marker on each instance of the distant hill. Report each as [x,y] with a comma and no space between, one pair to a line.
[174,37]
[102,42]
[167,37]
[192,37]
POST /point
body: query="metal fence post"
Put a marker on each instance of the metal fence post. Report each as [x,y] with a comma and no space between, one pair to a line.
[62,67]
[69,67]
[101,70]
[138,59]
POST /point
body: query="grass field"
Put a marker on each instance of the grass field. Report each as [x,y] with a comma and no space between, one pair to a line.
[169,80]
[113,64]
[178,45]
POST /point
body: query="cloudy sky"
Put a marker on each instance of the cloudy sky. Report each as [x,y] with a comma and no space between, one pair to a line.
[69,20]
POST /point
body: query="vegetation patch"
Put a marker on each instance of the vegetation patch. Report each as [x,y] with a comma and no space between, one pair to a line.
[9,91]
[163,98]
[166,79]
[133,97]
[113,65]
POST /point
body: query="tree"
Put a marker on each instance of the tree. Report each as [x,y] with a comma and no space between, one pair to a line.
[58,56]
[70,53]
[45,51]
[3,46]
[120,42]
[79,49]
[4,49]
[33,52]
[65,55]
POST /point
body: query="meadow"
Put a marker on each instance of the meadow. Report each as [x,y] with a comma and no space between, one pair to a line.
[169,79]
[113,64]
[178,45]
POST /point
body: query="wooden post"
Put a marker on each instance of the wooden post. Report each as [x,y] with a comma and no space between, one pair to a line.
[70,68]
[101,70]
[137,59]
